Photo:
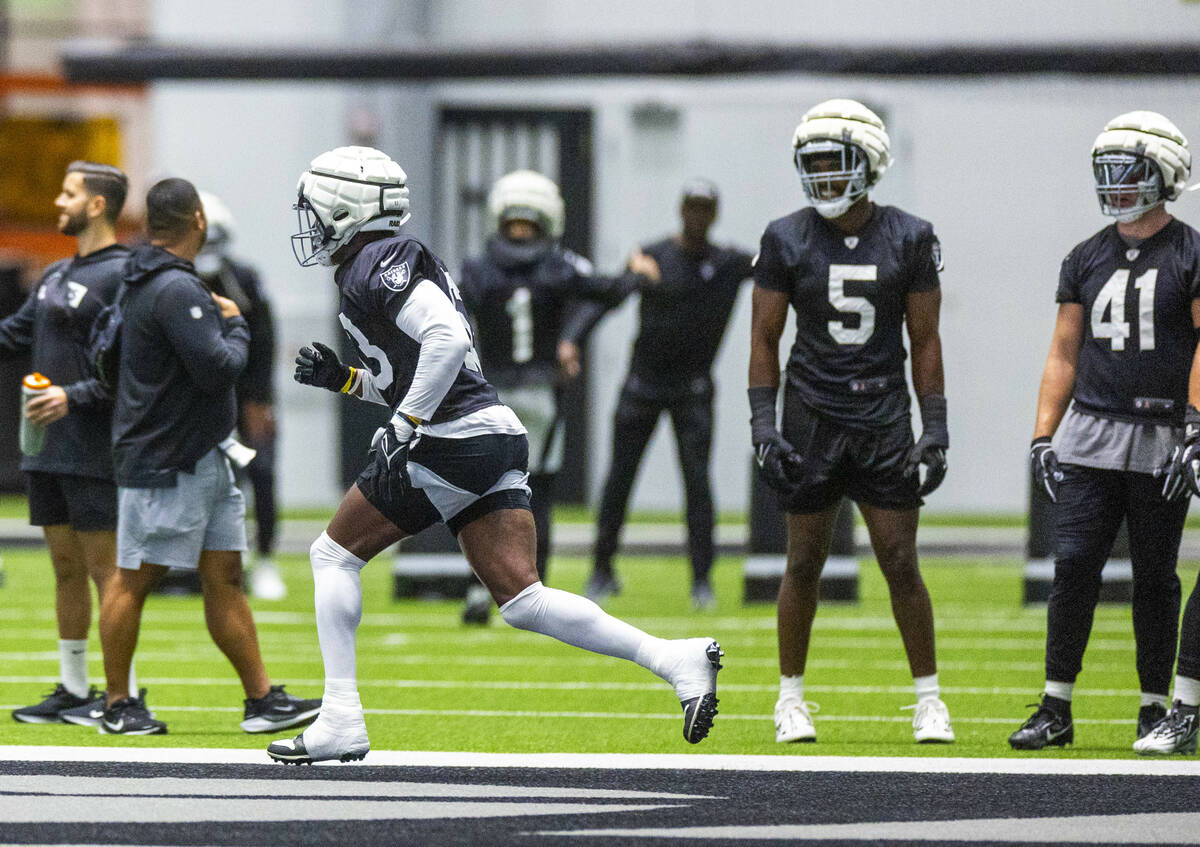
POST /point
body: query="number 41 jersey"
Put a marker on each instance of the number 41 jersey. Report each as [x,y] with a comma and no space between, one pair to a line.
[375,285]
[1138,337]
[850,295]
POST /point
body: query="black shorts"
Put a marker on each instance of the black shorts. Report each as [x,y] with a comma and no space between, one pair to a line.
[83,503]
[866,465]
[455,481]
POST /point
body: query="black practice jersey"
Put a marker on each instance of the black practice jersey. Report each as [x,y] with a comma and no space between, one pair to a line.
[375,284]
[684,316]
[1138,336]
[525,298]
[849,294]
[54,323]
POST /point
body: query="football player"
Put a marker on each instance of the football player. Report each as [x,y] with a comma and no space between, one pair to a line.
[452,452]
[71,491]
[682,319]
[533,303]
[857,274]
[1110,410]
[230,277]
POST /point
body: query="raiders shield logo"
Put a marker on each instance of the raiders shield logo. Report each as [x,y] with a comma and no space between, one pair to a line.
[851,241]
[396,278]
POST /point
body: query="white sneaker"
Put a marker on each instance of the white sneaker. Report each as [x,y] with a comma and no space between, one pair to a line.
[693,672]
[336,735]
[1176,733]
[931,722]
[793,722]
[265,581]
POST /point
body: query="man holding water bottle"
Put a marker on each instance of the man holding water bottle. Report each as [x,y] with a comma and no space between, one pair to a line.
[65,429]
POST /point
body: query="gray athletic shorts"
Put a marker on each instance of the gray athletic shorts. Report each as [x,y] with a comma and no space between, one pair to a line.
[171,526]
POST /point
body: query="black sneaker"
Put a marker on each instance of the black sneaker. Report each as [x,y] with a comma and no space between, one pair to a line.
[50,710]
[130,717]
[1176,733]
[1047,727]
[277,710]
[1148,716]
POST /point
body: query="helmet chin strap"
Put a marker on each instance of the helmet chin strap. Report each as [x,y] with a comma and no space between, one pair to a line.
[1130,217]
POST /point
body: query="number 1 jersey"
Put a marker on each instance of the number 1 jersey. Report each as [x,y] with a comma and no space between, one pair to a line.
[375,284]
[849,293]
[1138,337]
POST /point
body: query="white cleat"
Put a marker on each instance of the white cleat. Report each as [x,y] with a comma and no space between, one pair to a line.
[793,721]
[321,742]
[266,583]
[1176,733]
[931,722]
[693,672]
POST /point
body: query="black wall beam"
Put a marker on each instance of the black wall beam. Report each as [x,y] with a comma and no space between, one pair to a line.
[146,62]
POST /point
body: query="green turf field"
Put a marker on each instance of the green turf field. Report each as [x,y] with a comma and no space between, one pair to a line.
[428,683]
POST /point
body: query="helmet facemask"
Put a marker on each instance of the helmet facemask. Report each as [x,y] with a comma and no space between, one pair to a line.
[1127,184]
[834,174]
[311,237]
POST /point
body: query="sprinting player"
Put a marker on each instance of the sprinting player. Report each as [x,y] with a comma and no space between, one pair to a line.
[1112,397]
[533,303]
[683,320]
[856,274]
[451,452]
[232,278]
[71,491]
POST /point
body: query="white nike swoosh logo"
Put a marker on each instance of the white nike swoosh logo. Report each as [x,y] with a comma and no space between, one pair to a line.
[387,260]
[286,708]
[116,727]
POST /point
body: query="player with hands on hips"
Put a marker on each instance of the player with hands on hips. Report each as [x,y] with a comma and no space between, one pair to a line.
[452,453]
[1114,436]
[857,275]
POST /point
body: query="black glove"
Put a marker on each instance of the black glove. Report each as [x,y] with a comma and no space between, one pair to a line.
[1043,465]
[390,447]
[1182,470]
[778,461]
[930,449]
[320,366]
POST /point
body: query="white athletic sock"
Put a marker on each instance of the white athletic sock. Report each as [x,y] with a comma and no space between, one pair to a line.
[1187,690]
[1149,699]
[337,595]
[133,689]
[927,687]
[1060,690]
[791,687]
[72,665]
[579,622]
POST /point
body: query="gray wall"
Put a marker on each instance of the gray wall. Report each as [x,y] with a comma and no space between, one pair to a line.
[999,165]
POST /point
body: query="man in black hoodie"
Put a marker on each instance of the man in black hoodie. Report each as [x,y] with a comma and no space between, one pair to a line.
[182,349]
[71,491]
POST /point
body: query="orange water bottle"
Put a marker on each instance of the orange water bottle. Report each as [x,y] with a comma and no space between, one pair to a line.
[33,436]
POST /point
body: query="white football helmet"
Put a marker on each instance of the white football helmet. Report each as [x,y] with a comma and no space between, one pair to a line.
[346,191]
[221,225]
[527,195]
[852,134]
[1140,160]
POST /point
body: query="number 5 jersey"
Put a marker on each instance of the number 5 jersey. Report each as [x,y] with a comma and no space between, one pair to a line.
[849,293]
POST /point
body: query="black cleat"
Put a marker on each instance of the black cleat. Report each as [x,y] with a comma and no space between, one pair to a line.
[130,717]
[1148,716]
[50,710]
[699,712]
[277,710]
[294,752]
[1045,728]
[477,609]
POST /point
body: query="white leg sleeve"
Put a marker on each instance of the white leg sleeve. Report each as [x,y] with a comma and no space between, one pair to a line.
[579,622]
[337,595]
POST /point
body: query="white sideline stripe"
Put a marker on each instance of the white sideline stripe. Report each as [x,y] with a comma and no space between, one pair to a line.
[507,714]
[631,761]
[583,685]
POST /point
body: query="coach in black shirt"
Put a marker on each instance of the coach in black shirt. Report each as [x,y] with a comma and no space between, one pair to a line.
[182,350]
[683,319]
[71,491]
